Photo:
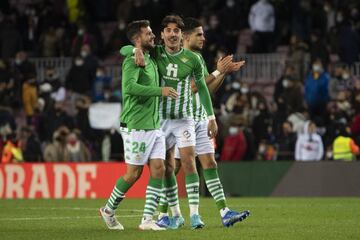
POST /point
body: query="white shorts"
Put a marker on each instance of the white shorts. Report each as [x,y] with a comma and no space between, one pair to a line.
[140,146]
[204,144]
[178,131]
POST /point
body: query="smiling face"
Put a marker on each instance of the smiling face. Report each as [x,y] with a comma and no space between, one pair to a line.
[147,38]
[172,35]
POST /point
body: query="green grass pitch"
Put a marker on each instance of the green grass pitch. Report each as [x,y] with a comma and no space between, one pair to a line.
[271,218]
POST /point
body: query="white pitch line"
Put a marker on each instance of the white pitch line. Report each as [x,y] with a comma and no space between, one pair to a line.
[61,218]
[75,209]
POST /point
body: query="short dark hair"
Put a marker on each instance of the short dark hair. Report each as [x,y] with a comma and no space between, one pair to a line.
[134,28]
[172,19]
[190,24]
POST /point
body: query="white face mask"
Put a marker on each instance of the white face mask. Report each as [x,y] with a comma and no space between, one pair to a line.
[81,32]
[83,54]
[285,83]
[316,68]
[18,61]
[233,130]
[235,85]
[345,76]
[244,90]
[121,26]
[79,62]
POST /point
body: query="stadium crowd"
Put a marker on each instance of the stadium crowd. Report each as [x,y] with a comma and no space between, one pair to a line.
[314,113]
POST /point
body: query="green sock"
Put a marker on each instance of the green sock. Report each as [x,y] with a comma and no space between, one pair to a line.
[118,193]
[153,192]
[170,197]
[192,190]
[215,188]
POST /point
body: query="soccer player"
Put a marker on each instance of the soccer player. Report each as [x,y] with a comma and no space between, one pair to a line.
[204,149]
[144,142]
[177,66]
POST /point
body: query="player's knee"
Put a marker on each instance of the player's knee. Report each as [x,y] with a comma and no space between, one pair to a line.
[169,170]
[210,164]
[189,167]
[133,176]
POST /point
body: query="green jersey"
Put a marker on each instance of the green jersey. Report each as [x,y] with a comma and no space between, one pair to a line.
[176,71]
[198,109]
[141,91]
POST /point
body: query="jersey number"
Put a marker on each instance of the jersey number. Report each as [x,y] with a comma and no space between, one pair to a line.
[138,147]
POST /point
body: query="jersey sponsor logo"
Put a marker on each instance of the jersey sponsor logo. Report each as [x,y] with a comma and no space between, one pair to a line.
[187,134]
[172,70]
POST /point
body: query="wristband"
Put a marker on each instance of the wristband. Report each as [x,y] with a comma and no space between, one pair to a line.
[216,73]
[211,117]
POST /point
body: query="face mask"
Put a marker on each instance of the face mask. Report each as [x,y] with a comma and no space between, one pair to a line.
[83,54]
[99,74]
[233,130]
[230,3]
[339,18]
[18,61]
[121,26]
[235,85]
[285,83]
[316,68]
[80,32]
[79,62]
[244,90]
[345,76]
[262,149]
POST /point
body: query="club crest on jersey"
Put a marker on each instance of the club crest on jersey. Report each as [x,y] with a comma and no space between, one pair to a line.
[163,55]
[184,59]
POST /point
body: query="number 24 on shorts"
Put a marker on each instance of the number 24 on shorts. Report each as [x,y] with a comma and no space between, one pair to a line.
[138,147]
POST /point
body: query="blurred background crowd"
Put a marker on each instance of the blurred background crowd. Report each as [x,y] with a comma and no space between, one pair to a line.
[297,98]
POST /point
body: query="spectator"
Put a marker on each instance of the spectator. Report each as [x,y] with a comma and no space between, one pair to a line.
[340,81]
[76,149]
[349,43]
[318,49]
[58,92]
[11,152]
[118,37]
[286,142]
[102,85]
[235,145]
[288,91]
[79,79]
[6,85]
[309,145]
[49,43]
[262,24]
[316,90]
[10,38]
[30,97]
[56,150]
[83,37]
[30,145]
[344,147]
[261,123]
[90,60]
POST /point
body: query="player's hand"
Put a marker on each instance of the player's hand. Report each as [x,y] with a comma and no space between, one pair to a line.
[169,92]
[139,57]
[234,66]
[223,63]
[212,128]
